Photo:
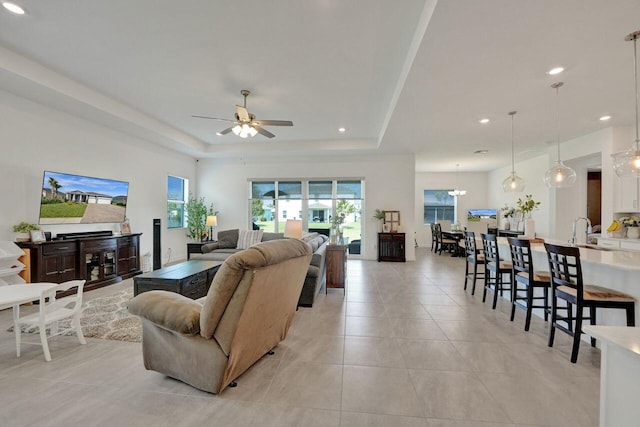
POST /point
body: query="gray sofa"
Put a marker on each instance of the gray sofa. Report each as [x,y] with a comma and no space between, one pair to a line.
[316,275]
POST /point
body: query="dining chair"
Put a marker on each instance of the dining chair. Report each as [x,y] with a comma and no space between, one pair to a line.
[567,285]
[443,242]
[434,238]
[525,280]
[52,310]
[494,264]
[474,257]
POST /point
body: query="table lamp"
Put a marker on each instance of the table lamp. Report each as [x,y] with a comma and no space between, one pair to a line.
[293,228]
[212,221]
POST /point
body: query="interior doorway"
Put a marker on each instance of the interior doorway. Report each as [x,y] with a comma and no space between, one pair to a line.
[594,197]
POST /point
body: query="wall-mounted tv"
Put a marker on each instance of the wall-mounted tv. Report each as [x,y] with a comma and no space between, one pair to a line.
[475,215]
[76,199]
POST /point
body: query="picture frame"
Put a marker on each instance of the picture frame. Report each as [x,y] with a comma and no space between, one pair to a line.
[125,228]
[37,236]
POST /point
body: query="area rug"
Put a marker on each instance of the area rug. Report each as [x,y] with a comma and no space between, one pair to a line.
[106,318]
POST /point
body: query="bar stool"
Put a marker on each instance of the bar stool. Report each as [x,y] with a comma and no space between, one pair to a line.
[525,280]
[444,243]
[474,257]
[494,264]
[567,285]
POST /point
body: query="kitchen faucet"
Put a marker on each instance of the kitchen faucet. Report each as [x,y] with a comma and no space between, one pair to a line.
[575,221]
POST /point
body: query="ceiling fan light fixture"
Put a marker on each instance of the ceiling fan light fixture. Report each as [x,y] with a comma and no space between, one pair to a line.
[627,163]
[236,129]
[513,183]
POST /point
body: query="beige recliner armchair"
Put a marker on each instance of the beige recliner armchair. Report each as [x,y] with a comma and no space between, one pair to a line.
[210,342]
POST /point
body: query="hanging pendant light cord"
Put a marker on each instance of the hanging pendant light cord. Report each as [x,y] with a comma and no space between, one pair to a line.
[558,120]
[513,157]
[635,76]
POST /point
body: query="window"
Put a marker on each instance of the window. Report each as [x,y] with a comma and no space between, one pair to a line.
[315,202]
[438,205]
[177,191]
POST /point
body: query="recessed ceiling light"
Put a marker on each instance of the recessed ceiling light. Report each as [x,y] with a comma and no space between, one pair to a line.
[342,130]
[483,121]
[605,118]
[13,8]
[555,71]
[481,152]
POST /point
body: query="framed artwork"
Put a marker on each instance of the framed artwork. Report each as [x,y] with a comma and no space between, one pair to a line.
[392,219]
[37,236]
[125,228]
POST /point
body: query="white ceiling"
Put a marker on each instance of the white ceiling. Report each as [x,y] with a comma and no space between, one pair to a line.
[409,79]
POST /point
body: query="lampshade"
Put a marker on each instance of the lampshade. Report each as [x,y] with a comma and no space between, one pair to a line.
[627,163]
[456,192]
[212,221]
[513,183]
[559,175]
[293,228]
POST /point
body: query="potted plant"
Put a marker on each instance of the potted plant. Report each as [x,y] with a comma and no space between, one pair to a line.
[22,229]
[526,206]
[380,216]
[196,211]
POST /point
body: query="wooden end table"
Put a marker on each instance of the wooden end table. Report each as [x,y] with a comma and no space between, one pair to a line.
[336,259]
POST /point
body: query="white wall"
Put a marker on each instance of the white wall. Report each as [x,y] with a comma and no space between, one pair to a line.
[37,138]
[476,197]
[389,185]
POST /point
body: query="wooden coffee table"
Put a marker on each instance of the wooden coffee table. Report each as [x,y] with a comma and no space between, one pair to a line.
[191,278]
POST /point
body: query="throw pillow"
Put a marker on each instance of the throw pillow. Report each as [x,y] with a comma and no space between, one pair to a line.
[228,239]
[248,238]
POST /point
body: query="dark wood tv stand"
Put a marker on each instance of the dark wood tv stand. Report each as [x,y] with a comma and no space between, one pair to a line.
[99,259]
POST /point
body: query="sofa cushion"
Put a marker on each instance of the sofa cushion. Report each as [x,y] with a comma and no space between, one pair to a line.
[248,238]
[266,236]
[228,239]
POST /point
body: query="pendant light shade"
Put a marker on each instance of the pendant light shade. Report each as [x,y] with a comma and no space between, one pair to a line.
[456,192]
[627,163]
[559,175]
[513,183]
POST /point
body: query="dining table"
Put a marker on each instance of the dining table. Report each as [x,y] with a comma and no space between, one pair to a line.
[14,295]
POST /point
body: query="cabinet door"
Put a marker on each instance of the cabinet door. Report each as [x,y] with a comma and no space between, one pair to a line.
[58,268]
[626,194]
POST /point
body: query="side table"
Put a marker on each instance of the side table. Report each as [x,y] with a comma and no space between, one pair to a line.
[336,259]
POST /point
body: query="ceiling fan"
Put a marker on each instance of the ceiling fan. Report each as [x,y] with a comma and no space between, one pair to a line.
[245,124]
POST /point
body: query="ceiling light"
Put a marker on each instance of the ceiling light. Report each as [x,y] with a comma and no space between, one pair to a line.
[13,8]
[556,70]
[605,118]
[483,121]
[481,152]
[559,175]
[456,192]
[513,183]
[627,163]
[342,130]
[218,133]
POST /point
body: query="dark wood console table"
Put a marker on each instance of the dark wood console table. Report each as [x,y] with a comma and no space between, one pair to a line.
[191,278]
[391,247]
[100,260]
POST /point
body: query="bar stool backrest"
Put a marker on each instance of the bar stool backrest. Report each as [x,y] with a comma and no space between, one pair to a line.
[470,244]
[490,245]
[565,268]
[521,255]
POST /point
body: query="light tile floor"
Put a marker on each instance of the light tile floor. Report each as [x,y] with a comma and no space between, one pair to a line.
[406,347]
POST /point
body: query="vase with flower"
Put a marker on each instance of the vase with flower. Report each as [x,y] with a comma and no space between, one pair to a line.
[633,226]
[508,212]
[526,206]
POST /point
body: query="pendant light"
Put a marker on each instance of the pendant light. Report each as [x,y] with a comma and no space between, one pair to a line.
[559,175]
[513,183]
[456,192]
[627,163]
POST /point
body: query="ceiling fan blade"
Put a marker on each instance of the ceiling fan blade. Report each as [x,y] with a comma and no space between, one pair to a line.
[274,123]
[226,131]
[262,131]
[242,113]
[213,118]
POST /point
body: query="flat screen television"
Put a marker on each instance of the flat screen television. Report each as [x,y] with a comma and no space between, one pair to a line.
[77,199]
[475,215]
